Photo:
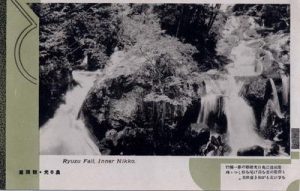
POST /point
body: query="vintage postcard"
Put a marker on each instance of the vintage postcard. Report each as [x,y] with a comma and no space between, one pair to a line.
[150,95]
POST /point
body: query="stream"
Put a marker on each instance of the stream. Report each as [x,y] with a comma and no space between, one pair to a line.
[65,133]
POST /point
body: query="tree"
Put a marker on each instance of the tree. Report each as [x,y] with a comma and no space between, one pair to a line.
[194,24]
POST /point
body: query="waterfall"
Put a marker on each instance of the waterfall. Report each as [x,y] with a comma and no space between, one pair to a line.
[285,89]
[244,59]
[209,104]
[259,68]
[274,99]
[272,107]
[240,120]
[211,87]
[65,134]
[241,123]
[210,101]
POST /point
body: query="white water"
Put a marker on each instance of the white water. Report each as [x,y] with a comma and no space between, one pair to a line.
[244,60]
[209,104]
[65,134]
[285,89]
[275,100]
[241,122]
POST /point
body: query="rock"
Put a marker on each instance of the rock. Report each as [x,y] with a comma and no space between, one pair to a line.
[274,119]
[112,135]
[148,114]
[161,112]
[137,141]
[191,114]
[214,147]
[165,116]
[123,111]
[106,107]
[259,94]
[108,110]
[106,147]
[197,135]
[182,148]
[254,90]
[270,123]
[251,151]
[274,150]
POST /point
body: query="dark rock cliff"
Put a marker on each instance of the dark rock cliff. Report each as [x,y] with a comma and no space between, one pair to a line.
[130,114]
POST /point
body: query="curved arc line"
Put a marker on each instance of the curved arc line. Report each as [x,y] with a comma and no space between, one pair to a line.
[19,50]
[19,42]
[18,65]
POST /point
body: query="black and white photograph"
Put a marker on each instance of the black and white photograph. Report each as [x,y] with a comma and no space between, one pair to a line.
[164,79]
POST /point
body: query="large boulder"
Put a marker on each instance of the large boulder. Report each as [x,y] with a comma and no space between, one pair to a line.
[257,92]
[254,91]
[131,114]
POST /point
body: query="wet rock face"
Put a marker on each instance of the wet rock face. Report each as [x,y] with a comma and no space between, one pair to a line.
[254,91]
[271,125]
[111,108]
[129,141]
[257,92]
[129,117]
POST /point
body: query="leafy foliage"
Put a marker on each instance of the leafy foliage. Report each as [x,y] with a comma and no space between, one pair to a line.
[67,32]
[165,55]
[199,25]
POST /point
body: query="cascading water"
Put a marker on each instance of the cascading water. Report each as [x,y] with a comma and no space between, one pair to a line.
[241,122]
[210,101]
[209,104]
[65,134]
[275,100]
[272,106]
[285,89]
